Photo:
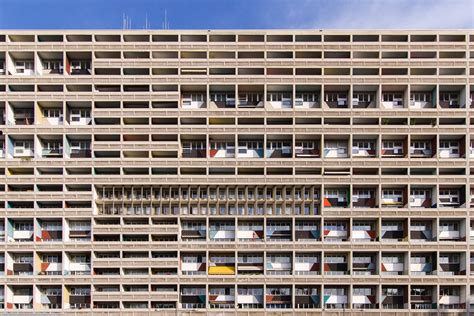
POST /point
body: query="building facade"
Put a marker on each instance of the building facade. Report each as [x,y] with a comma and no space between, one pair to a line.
[237,171]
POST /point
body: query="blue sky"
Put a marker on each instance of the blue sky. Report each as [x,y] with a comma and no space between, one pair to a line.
[238,14]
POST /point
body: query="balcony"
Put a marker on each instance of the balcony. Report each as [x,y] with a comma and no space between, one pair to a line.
[451,148]
[364,297]
[21,297]
[79,63]
[450,298]
[77,264]
[79,116]
[250,264]
[393,197]
[278,231]
[364,197]
[335,148]
[449,230]
[221,231]
[221,264]
[423,264]
[451,197]
[394,297]
[335,231]
[307,264]
[51,63]
[336,297]
[50,231]
[364,148]
[422,198]
[364,99]
[336,99]
[221,147]
[422,148]
[393,100]
[23,64]
[307,231]
[450,100]
[193,231]
[393,148]
[422,99]
[251,96]
[50,297]
[193,264]
[364,263]
[422,297]
[79,297]
[193,297]
[364,231]
[22,264]
[279,147]
[23,116]
[278,264]
[451,264]
[393,230]
[193,148]
[307,297]
[278,297]
[78,146]
[51,263]
[23,149]
[393,264]
[421,231]
[22,231]
[249,297]
[307,147]
[79,231]
[336,264]
[221,297]
[307,97]
[250,231]
[50,113]
[336,198]
[279,97]
[193,100]
[222,97]
[250,146]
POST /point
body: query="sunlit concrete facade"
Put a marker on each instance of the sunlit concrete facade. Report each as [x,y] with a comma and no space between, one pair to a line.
[242,172]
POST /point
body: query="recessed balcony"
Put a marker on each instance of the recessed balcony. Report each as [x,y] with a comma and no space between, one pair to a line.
[279,97]
[79,63]
[251,96]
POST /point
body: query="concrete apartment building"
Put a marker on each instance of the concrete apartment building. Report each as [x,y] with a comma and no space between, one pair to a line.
[241,172]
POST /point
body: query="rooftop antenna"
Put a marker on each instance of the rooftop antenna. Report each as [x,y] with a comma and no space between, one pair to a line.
[147,25]
[126,22]
[166,24]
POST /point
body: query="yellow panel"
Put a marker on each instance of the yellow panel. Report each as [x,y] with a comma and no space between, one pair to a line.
[221,270]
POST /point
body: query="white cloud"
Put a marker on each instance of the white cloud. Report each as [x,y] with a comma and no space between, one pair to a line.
[366,14]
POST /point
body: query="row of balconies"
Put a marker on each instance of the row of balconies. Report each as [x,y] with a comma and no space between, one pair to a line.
[252,38]
[342,196]
[44,230]
[23,113]
[44,297]
[277,147]
[316,296]
[309,264]
[283,96]
[29,63]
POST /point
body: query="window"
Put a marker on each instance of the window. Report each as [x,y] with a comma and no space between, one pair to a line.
[420,97]
[52,113]
[23,226]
